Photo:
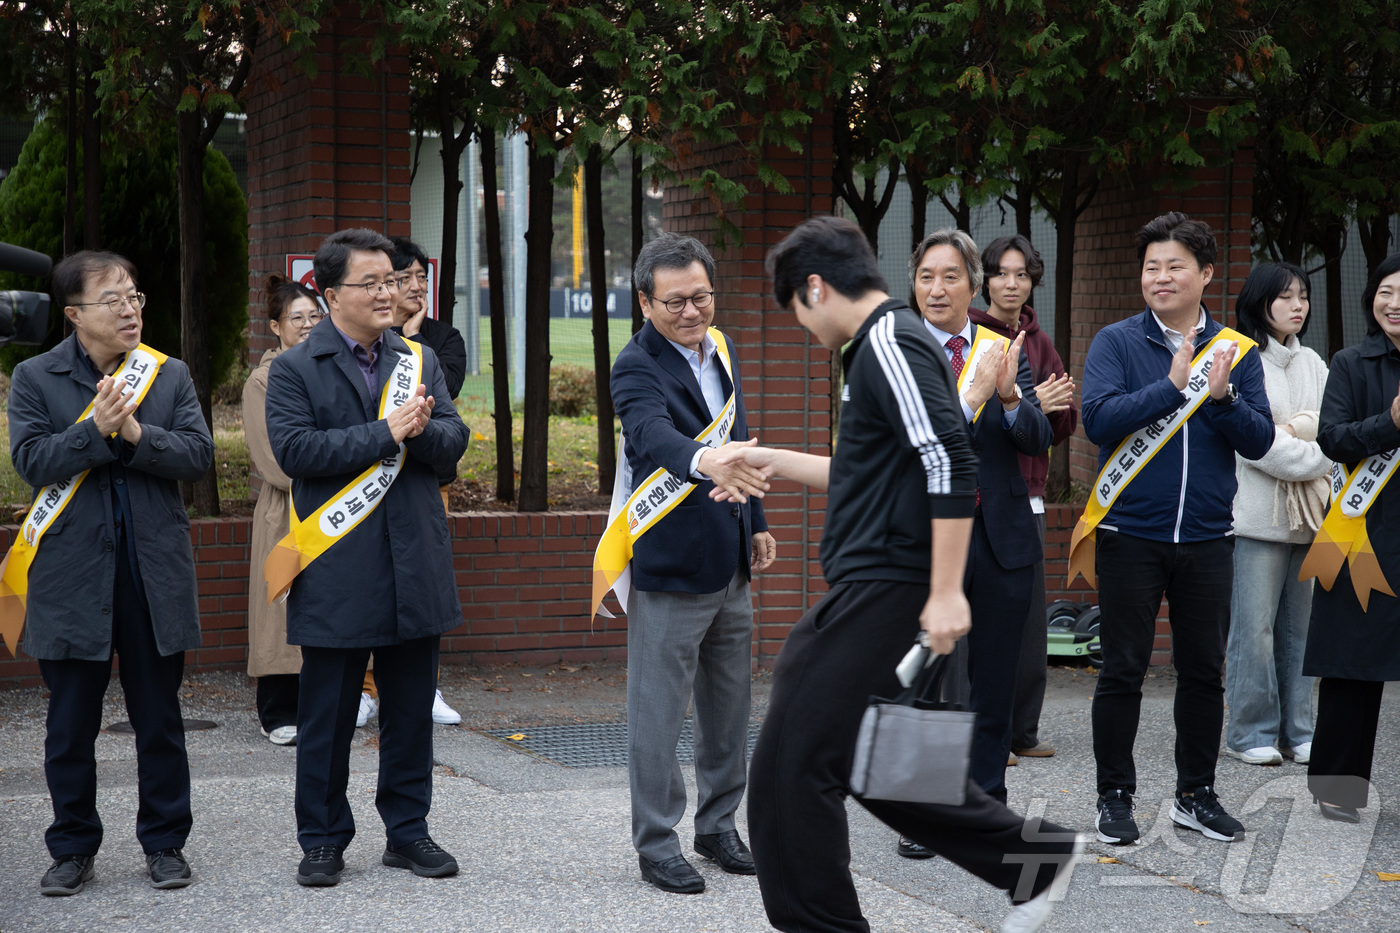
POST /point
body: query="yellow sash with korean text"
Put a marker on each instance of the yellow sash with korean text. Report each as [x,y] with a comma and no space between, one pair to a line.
[632,516]
[1138,448]
[138,371]
[984,341]
[345,510]
[1343,537]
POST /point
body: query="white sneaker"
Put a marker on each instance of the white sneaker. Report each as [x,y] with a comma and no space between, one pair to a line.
[443,714]
[282,735]
[1263,755]
[368,707]
[1300,753]
[1031,916]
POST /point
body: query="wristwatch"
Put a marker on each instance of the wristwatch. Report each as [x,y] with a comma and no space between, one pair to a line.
[1231,393]
[1009,400]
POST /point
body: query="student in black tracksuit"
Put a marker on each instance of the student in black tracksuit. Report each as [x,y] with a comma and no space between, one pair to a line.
[900,498]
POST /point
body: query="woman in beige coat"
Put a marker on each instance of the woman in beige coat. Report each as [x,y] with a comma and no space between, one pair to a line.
[292,310]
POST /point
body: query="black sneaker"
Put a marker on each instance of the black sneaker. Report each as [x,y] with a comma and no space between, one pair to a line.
[168,869]
[1201,810]
[66,875]
[321,866]
[1115,823]
[425,857]
[911,849]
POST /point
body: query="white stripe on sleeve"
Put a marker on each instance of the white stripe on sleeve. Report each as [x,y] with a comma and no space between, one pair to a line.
[911,406]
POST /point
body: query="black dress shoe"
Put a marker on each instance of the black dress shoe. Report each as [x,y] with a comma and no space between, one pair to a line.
[911,849]
[727,849]
[66,875]
[1339,814]
[674,874]
[425,857]
[321,866]
[168,869]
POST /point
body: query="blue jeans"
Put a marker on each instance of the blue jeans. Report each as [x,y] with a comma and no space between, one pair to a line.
[1270,700]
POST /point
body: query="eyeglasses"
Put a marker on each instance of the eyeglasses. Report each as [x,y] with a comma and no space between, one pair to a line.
[404,281]
[701,300]
[375,289]
[298,320]
[114,305]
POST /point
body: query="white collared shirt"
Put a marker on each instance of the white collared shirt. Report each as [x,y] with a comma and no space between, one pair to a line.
[1173,337]
[705,364]
[1008,418]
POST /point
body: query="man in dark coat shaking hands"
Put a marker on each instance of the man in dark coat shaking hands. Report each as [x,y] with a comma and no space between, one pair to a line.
[362,422]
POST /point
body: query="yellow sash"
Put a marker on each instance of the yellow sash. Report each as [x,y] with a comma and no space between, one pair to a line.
[632,516]
[1141,446]
[138,371]
[345,510]
[984,341]
[1343,532]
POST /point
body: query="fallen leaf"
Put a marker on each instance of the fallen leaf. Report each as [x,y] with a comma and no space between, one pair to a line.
[498,690]
[569,669]
[478,436]
[518,737]
[1388,876]
[1108,860]
[1200,923]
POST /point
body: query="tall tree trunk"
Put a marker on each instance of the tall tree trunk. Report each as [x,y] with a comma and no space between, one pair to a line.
[1066,213]
[92,160]
[70,149]
[194,335]
[918,205]
[539,237]
[637,229]
[602,352]
[453,143]
[1024,203]
[1333,237]
[1375,240]
[496,291]
[961,211]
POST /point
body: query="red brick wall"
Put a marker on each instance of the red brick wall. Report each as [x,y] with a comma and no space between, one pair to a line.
[324,153]
[524,584]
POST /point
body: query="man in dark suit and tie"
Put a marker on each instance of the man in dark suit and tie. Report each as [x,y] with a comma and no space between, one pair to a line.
[363,424]
[690,617]
[998,401]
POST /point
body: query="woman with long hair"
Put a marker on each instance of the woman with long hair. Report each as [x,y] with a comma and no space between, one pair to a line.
[292,310]
[1279,505]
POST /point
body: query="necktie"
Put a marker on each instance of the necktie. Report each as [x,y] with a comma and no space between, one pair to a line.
[956,344]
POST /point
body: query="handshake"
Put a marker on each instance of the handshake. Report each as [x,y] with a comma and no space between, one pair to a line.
[739,469]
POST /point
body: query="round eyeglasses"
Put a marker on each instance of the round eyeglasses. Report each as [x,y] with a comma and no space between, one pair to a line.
[114,305]
[701,300]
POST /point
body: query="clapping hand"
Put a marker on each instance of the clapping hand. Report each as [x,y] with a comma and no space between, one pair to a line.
[410,418]
[1055,393]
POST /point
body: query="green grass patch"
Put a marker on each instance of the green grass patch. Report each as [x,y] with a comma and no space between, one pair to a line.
[573,446]
[570,342]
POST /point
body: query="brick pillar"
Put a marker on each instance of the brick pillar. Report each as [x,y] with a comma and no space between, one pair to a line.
[323,153]
[786,375]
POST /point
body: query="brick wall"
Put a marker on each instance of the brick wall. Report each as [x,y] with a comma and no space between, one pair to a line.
[524,585]
[323,153]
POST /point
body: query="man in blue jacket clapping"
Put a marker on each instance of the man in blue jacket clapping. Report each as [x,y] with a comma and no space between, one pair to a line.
[1170,396]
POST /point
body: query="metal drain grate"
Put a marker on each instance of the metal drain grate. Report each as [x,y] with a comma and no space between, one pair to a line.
[593,744]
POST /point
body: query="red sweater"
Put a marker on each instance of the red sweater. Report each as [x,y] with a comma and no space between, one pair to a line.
[1045,362]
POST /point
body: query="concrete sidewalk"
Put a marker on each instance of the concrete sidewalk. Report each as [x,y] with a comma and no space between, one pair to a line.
[546,848]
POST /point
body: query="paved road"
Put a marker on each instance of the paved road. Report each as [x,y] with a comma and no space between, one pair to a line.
[545,848]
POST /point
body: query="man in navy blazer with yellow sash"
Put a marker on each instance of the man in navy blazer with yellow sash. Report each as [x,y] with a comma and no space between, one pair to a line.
[690,617]
[387,585]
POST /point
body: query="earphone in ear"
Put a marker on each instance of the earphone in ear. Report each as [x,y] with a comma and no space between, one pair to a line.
[816,295]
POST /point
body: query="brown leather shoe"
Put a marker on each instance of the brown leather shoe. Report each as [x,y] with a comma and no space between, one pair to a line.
[1038,750]
[1012,761]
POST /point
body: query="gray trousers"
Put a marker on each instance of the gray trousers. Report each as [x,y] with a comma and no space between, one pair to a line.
[678,643]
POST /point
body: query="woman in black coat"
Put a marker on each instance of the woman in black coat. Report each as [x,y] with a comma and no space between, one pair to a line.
[1354,651]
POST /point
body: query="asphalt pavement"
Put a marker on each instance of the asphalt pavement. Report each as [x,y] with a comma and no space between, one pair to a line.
[544,847]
